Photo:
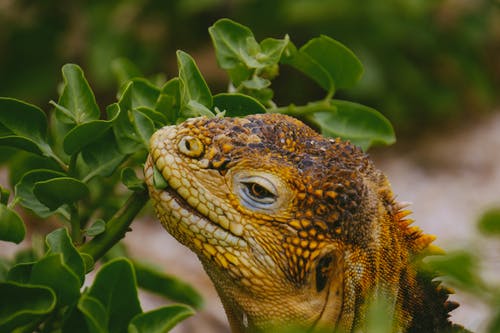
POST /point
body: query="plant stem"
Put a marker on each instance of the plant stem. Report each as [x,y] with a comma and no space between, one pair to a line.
[117,226]
[72,165]
[76,232]
[59,161]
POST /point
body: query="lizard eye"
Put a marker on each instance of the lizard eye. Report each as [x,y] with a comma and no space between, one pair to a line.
[259,191]
[191,146]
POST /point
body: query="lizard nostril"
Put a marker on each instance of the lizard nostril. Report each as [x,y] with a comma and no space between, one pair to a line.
[191,146]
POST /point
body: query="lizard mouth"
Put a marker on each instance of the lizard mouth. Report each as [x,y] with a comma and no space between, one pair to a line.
[183,220]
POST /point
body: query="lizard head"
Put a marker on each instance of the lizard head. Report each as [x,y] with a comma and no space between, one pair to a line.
[270,208]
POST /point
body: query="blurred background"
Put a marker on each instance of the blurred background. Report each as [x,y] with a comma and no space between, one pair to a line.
[427,62]
[431,66]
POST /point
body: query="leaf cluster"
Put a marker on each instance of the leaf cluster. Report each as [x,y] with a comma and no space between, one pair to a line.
[72,162]
[77,164]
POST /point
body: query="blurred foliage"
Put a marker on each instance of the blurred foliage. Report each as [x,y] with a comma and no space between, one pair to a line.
[427,61]
[463,269]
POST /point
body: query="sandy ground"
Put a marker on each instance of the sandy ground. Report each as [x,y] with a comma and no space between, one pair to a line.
[450,179]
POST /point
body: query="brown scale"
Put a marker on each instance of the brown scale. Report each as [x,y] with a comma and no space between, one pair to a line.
[319,218]
[304,248]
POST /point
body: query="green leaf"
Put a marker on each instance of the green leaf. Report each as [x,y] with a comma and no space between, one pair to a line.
[379,317]
[240,74]
[58,131]
[56,192]
[20,273]
[237,105]
[12,227]
[362,125]
[23,126]
[7,153]
[310,67]
[141,93]
[158,118]
[24,190]
[115,287]
[144,126]
[256,83]
[77,104]
[168,286]
[138,93]
[130,179]
[169,102]
[88,262]
[234,44]
[4,268]
[238,52]
[102,159]
[193,87]
[84,134]
[74,321]
[23,304]
[494,324]
[459,266]
[97,228]
[33,253]
[159,320]
[51,271]
[272,50]
[489,223]
[24,162]
[127,139]
[4,195]
[339,62]
[59,241]
[264,96]
[94,313]
[195,109]
[159,181]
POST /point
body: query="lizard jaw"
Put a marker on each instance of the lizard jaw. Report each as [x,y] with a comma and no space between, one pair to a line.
[185,222]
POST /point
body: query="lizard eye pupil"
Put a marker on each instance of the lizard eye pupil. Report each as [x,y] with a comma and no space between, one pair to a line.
[258,191]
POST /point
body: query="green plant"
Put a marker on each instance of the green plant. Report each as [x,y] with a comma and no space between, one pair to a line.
[70,166]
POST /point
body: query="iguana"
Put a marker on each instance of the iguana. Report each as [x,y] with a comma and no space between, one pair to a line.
[294,229]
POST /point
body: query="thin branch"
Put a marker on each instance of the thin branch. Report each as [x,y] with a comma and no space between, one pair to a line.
[117,226]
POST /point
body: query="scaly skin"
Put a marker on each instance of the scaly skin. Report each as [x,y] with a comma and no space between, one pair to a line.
[294,229]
